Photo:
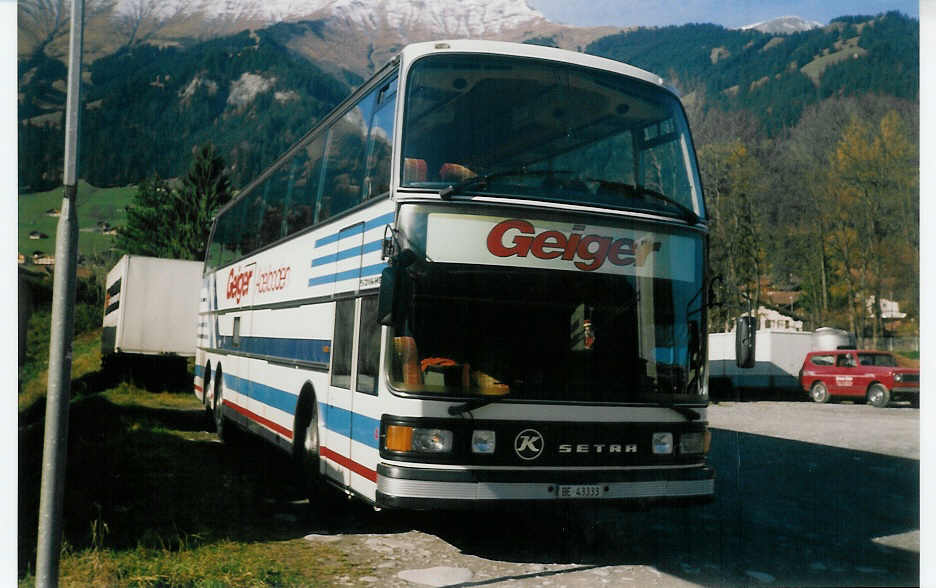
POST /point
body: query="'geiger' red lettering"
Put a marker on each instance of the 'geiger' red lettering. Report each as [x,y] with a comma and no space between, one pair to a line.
[238,285]
[587,252]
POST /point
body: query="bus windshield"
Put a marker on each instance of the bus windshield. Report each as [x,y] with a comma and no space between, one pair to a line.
[519,127]
[548,335]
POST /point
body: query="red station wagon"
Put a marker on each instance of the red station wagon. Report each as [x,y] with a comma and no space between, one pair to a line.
[871,376]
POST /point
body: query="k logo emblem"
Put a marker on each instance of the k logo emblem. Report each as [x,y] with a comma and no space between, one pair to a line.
[529,444]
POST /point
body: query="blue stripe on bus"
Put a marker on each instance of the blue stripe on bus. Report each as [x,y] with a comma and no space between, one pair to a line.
[312,350]
[268,395]
[199,371]
[356,426]
[368,225]
[371,270]
[348,253]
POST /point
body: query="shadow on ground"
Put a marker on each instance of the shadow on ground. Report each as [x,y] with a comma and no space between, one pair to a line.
[799,513]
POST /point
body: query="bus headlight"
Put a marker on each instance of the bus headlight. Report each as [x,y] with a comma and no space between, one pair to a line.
[697,442]
[419,440]
[662,443]
[898,377]
[483,441]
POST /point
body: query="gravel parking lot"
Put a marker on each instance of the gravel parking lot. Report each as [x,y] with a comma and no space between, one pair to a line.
[806,495]
[890,431]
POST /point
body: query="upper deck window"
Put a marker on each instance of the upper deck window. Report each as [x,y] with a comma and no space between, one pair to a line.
[546,130]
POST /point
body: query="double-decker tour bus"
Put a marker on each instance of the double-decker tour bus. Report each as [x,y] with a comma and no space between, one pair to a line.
[482,278]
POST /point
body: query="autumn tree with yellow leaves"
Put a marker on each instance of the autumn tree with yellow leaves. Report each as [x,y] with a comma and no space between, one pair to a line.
[831,209]
[875,206]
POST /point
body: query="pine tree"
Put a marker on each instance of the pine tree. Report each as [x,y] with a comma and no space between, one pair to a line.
[205,189]
[146,230]
[164,221]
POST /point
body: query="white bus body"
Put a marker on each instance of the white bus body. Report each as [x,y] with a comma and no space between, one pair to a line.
[151,307]
[549,340]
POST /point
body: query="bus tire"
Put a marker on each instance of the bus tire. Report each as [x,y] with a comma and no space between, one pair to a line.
[206,385]
[306,445]
[878,395]
[218,407]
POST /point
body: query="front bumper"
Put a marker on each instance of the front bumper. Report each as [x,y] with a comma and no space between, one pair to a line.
[425,488]
[907,390]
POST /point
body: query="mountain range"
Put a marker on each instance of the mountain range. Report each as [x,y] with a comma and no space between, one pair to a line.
[344,26]
[249,75]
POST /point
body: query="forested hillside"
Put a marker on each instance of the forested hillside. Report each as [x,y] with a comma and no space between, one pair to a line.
[146,108]
[777,77]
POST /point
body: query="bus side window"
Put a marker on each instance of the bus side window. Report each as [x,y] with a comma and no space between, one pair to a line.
[307,186]
[231,231]
[380,144]
[345,159]
[342,343]
[368,347]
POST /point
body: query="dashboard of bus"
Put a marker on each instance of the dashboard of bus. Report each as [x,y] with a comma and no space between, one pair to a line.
[518,127]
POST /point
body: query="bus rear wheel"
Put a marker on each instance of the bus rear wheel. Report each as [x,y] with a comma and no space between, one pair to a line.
[218,406]
[206,385]
[306,447]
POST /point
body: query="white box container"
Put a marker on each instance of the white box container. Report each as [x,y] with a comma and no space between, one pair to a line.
[779,356]
[151,307]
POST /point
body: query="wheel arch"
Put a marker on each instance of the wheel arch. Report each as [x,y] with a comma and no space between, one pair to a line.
[872,383]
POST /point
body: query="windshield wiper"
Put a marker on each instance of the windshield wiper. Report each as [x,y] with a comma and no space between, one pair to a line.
[690,414]
[689,215]
[481,181]
[686,412]
[636,191]
[472,404]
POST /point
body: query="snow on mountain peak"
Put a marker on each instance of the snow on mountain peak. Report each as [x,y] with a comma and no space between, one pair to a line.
[783,25]
[442,17]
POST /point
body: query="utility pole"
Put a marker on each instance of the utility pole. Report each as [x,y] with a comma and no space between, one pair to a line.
[55,447]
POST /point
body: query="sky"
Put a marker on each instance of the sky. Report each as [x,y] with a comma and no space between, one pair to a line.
[728,13]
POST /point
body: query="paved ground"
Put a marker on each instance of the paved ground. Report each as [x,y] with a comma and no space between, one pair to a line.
[806,495]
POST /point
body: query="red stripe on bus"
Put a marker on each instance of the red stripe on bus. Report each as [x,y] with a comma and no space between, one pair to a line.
[259,419]
[361,470]
[198,388]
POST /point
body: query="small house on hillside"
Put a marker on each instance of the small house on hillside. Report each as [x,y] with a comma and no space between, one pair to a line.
[770,319]
[39,258]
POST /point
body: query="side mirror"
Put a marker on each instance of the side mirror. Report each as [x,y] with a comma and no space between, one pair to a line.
[386,297]
[745,331]
[396,289]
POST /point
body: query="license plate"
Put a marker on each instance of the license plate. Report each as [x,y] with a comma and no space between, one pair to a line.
[580,491]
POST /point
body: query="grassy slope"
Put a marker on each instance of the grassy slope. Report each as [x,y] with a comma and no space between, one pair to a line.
[94,204]
[152,498]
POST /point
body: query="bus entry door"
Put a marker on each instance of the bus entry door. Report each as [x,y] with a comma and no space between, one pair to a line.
[340,409]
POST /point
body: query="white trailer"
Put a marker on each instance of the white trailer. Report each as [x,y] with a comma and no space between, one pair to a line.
[779,356]
[151,307]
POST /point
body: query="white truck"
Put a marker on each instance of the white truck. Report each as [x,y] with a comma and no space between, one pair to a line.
[779,356]
[151,307]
